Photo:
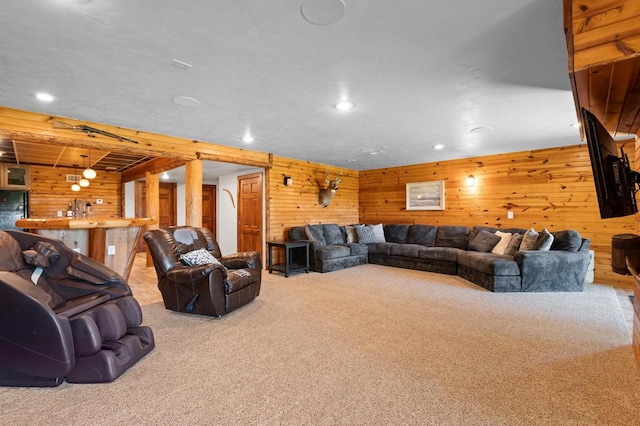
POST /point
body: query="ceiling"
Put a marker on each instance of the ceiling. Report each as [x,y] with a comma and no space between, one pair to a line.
[480,77]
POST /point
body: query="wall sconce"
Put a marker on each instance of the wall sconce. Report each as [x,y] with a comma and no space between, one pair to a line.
[288,181]
[471,181]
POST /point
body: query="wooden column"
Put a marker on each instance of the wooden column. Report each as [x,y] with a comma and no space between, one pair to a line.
[152,202]
[193,193]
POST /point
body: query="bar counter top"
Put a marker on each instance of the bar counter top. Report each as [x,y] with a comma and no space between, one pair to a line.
[83,223]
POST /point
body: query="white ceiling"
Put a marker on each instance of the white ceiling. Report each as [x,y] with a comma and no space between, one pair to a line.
[420,73]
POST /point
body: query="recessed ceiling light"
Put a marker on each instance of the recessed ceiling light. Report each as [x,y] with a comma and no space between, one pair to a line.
[165,176]
[438,146]
[322,12]
[247,138]
[351,160]
[44,97]
[481,129]
[186,101]
[344,105]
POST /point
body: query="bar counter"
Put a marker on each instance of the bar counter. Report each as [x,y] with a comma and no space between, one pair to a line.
[111,241]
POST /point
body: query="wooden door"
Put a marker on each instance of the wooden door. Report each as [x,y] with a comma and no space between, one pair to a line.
[250,213]
[209,208]
[168,215]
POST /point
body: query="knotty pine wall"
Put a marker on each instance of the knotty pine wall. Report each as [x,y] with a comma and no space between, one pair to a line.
[297,204]
[51,192]
[550,188]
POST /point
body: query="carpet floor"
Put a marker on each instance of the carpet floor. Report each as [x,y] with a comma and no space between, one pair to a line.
[364,346]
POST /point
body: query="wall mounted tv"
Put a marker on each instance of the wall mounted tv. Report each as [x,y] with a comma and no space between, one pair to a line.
[616,183]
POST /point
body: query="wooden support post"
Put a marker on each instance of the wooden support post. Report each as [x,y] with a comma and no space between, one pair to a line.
[193,193]
[152,201]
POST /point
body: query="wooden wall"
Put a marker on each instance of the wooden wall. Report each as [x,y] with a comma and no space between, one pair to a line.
[50,192]
[297,204]
[551,188]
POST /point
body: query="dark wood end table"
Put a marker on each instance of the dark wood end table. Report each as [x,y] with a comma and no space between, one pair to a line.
[288,265]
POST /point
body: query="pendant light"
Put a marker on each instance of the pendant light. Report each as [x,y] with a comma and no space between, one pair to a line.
[84,182]
[75,187]
[89,173]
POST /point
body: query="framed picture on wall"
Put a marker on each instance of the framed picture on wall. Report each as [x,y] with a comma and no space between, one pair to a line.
[425,195]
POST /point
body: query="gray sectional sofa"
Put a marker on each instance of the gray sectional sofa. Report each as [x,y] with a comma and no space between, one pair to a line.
[557,264]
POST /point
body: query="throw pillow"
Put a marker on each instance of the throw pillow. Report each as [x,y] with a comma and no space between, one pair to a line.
[545,239]
[378,231]
[199,257]
[566,240]
[484,241]
[514,244]
[350,231]
[505,238]
[529,240]
[365,234]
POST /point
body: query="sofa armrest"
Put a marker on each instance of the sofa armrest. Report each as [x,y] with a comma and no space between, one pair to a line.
[250,260]
[552,270]
[190,274]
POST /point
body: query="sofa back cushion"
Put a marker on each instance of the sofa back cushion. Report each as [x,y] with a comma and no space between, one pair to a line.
[298,233]
[425,235]
[453,236]
[332,234]
[396,233]
[316,233]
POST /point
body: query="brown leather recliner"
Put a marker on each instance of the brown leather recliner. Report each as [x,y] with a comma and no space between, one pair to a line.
[207,288]
[64,316]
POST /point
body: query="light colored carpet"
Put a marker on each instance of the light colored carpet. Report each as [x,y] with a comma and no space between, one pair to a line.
[368,345]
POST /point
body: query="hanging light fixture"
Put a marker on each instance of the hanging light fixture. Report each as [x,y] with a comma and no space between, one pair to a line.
[89,173]
[83,182]
[75,187]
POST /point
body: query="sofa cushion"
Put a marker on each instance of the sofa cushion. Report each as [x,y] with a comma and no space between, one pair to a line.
[333,252]
[489,263]
[199,257]
[569,240]
[493,230]
[357,249]
[396,233]
[544,241]
[381,248]
[514,244]
[529,240]
[406,250]
[332,234]
[484,241]
[453,236]
[501,247]
[378,231]
[298,233]
[365,234]
[316,233]
[350,235]
[424,235]
[447,254]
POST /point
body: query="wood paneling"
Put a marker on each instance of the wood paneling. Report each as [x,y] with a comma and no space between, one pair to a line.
[603,42]
[550,188]
[33,127]
[297,204]
[50,192]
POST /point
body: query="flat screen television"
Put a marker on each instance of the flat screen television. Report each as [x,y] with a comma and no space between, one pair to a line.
[615,182]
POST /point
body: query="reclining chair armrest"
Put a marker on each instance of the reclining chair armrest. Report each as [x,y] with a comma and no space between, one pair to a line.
[96,272]
[190,274]
[553,270]
[49,355]
[249,259]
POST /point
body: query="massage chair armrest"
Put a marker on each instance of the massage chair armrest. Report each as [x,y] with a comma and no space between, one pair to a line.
[191,274]
[249,260]
[33,339]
